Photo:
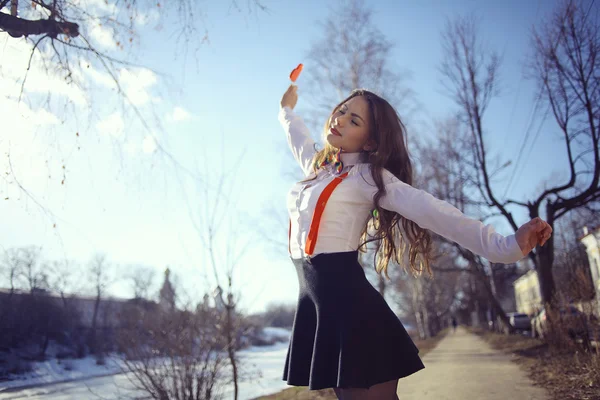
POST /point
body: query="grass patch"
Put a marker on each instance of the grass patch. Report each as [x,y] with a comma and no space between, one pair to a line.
[567,375]
[302,393]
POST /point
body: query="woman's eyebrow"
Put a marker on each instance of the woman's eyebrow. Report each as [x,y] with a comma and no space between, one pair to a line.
[353,114]
[357,116]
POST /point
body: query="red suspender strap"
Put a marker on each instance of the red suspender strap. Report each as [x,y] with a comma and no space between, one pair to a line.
[313,232]
[311,240]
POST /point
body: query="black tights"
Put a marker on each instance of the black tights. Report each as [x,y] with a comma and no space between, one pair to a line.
[381,391]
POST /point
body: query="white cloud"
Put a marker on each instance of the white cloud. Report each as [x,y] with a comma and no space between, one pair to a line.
[180,114]
[102,35]
[102,78]
[145,18]
[149,144]
[98,5]
[14,60]
[130,147]
[20,116]
[137,84]
[112,125]
[42,117]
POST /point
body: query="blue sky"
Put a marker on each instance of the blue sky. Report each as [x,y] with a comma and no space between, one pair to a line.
[124,198]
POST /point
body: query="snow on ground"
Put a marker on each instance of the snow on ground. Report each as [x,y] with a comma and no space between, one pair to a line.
[269,361]
[271,332]
[54,370]
[262,368]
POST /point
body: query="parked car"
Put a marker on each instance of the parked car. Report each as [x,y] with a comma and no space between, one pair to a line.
[576,322]
[519,321]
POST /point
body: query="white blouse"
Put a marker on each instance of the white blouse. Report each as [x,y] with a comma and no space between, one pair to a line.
[351,204]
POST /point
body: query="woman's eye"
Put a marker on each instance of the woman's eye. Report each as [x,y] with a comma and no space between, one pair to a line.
[354,123]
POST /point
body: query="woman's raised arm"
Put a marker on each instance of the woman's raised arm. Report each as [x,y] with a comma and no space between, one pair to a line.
[298,135]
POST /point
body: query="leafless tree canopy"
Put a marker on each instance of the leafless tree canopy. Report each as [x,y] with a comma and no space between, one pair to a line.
[566,68]
[141,279]
[175,355]
[448,171]
[62,29]
[101,279]
[352,53]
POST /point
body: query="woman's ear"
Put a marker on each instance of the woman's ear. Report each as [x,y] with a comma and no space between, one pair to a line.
[370,145]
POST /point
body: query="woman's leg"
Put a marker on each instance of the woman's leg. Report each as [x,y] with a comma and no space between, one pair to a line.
[352,394]
[381,391]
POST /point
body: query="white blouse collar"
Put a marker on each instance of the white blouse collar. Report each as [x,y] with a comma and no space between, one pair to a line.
[351,158]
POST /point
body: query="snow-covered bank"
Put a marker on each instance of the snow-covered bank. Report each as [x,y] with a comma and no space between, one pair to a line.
[264,367]
[55,370]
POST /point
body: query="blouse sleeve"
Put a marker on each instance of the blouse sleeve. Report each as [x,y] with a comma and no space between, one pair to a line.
[444,219]
[298,137]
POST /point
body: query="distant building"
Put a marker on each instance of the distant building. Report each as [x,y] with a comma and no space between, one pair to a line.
[591,240]
[502,284]
[218,298]
[167,293]
[527,293]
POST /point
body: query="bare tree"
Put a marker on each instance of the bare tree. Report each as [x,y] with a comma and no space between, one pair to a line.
[11,270]
[428,301]
[171,355]
[567,73]
[101,279]
[571,265]
[32,270]
[447,172]
[141,280]
[224,244]
[64,27]
[34,318]
[85,50]
[63,278]
[566,68]
[11,267]
[352,53]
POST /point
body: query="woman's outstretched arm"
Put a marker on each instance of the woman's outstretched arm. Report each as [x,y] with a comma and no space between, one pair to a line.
[446,220]
[298,135]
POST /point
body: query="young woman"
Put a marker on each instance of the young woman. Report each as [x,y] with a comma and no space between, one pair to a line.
[358,189]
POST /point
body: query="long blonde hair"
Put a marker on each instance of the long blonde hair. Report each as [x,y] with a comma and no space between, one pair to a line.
[393,233]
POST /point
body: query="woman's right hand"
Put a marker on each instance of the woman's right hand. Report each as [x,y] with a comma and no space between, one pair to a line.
[290,97]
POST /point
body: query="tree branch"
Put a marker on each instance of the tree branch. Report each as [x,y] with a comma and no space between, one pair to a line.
[29,66]
[519,203]
[18,27]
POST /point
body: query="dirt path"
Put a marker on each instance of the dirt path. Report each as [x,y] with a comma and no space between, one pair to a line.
[464,367]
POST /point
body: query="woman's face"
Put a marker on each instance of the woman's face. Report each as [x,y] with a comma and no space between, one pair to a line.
[349,126]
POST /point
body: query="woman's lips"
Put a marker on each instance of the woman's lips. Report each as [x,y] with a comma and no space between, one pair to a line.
[335,132]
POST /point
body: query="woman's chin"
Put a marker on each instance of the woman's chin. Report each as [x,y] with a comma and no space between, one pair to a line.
[333,140]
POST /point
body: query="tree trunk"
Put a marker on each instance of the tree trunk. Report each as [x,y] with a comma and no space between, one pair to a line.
[231,351]
[94,323]
[544,266]
[44,346]
[494,303]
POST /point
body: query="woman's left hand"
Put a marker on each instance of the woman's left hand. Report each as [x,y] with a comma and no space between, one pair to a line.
[534,233]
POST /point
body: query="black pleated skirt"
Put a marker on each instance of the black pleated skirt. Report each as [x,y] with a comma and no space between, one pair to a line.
[345,335]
